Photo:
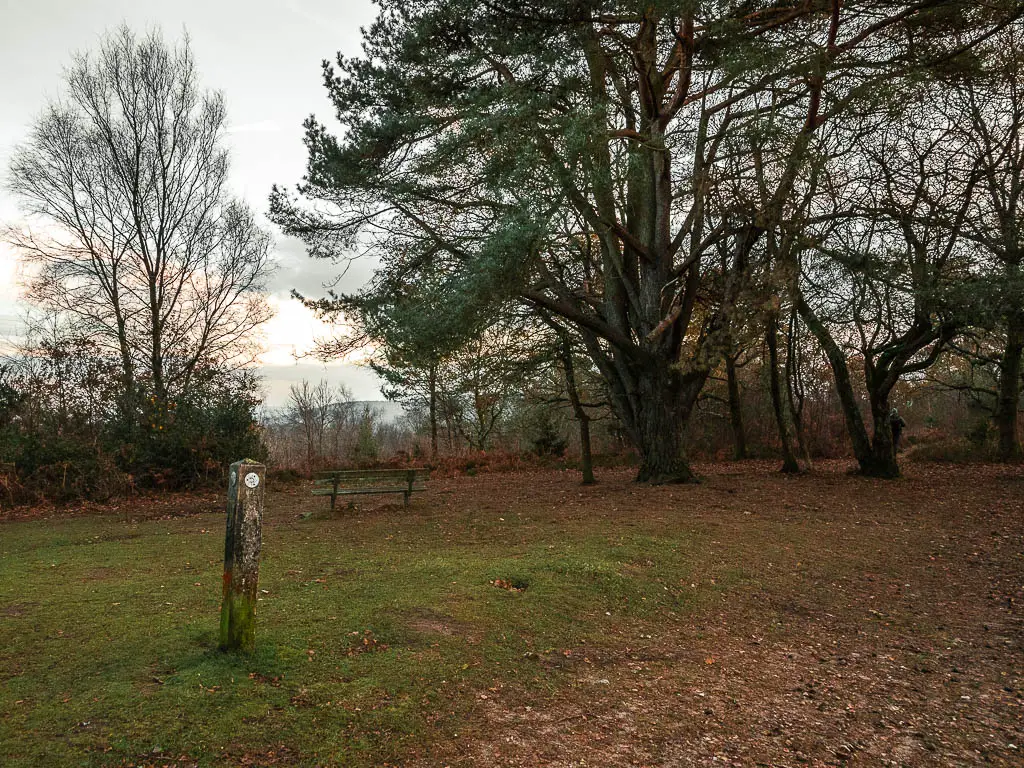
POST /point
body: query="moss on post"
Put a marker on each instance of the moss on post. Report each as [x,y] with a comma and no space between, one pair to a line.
[242,542]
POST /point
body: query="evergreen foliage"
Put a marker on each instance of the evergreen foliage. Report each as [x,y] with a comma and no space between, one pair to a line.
[629,169]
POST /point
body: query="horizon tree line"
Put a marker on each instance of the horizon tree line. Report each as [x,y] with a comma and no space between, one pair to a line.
[594,206]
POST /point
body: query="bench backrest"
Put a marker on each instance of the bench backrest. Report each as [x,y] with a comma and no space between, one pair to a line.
[398,479]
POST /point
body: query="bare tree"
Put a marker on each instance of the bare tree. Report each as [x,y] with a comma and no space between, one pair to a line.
[887,281]
[128,221]
[989,110]
[313,409]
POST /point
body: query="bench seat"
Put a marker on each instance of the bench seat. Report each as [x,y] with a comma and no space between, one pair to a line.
[351,491]
[348,482]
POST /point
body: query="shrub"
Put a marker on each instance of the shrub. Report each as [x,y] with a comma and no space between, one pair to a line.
[547,441]
[71,433]
[955,450]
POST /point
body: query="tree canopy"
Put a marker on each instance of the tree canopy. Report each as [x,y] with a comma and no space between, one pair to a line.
[628,168]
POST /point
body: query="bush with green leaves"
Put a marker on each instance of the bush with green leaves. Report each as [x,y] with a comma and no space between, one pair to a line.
[70,430]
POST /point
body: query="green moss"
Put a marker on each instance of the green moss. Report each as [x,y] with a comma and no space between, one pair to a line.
[237,622]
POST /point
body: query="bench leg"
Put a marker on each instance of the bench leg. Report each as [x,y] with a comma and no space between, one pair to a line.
[334,496]
[406,495]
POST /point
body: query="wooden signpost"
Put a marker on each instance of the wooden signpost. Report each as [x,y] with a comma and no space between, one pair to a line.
[242,556]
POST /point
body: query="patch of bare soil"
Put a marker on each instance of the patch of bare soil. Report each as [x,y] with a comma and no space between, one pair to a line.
[15,610]
[881,626]
[150,505]
[428,622]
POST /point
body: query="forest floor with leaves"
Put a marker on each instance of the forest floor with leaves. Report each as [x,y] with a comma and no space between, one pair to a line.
[520,619]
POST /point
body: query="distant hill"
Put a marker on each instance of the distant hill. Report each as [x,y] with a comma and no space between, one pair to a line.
[385,410]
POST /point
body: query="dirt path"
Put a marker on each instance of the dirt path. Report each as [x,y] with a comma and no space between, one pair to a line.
[882,626]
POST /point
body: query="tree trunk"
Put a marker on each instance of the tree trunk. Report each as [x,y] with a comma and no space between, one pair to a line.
[156,352]
[128,402]
[735,409]
[794,387]
[586,460]
[881,461]
[659,426]
[862,447]
[789,462]
[432,376]
[1008,401]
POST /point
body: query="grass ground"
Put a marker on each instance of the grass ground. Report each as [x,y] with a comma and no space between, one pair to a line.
[755,619]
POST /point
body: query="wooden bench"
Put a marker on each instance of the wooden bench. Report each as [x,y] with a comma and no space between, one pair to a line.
[346,482]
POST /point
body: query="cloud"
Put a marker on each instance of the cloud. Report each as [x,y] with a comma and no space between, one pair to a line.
[291,333]
[320,20]
[263,126]
[312,277]
[362,382]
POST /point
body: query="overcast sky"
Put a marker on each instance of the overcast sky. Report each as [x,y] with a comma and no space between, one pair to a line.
[265,57]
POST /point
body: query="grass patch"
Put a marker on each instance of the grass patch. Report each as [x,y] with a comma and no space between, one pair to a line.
[519,619]
[368,636]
